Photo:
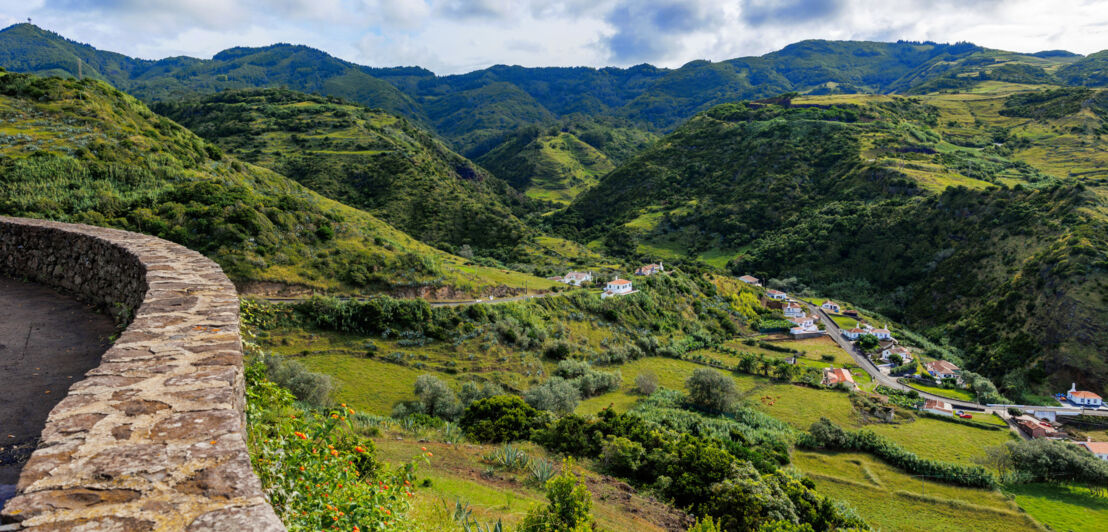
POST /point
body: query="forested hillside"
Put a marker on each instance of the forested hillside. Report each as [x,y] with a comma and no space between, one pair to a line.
[364,158]
[81,151]
[475,112]
[894,204]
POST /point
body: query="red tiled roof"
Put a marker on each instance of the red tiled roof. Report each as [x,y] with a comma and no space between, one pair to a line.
[775,292]
[932,404]
[1096,447]
[1085,395]
[941,366]
[748,278]
[620,282]
[837,375]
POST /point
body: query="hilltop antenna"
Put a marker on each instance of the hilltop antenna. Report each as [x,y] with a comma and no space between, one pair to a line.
[28,20]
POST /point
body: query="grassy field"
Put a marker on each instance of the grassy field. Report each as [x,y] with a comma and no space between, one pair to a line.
[959,394]
[943,440]
[1062,507]
[891,500]
[457,474]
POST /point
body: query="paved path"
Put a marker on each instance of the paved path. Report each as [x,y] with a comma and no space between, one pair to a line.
[865,363]
[47,342]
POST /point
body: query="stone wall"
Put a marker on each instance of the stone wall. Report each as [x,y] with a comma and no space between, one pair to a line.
[153,438]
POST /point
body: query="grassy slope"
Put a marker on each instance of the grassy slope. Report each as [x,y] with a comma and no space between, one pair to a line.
[364,158]
[84,152]
[553,168]
[903,172]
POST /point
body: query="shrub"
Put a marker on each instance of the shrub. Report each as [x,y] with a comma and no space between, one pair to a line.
[471,391]
[284,445]
[646,383]
[309,387]
[437,398]
[570,507]
[711,390]
[621,456]
[555,395]
[501,418]
[1044,460]
[825,434]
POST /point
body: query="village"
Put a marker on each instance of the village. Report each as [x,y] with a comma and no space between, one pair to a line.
[935,386]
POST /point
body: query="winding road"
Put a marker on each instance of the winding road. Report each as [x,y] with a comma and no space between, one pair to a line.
[865,363]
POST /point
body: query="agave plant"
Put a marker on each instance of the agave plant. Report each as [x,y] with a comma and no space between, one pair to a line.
[474,526]
[508,457]
[542,471]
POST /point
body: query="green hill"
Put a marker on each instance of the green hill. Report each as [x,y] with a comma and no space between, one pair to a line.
[364,158]
[943,213]
[554,168]
[82,151]
[477,111]
[28,48]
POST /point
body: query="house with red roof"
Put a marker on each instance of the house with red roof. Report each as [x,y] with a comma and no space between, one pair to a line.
[793,310]
[941,408]
[1099,448]
[1036,428]
[617,287]
[941,369]
[833,376]
[649,269]
[1083,398]
[750,280]
[776,294]
[892,349]
[855,333]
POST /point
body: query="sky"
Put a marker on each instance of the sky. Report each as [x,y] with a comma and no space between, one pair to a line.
[457,36]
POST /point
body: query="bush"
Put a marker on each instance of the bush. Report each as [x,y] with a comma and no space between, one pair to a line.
[827,435]
[621,456]
[555,395]
[502,418]
[646,383]
[471,391]
[308,386]
[711,390]
[437,398]
[570,507]
[1044,460]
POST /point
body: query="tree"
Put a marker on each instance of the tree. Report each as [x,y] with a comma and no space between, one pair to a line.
[555,395]
[747,362]
[437,398]
[711,390]
[867,342]
[705,525]
[502,418]
[896,359]
[570,507]
[646,383]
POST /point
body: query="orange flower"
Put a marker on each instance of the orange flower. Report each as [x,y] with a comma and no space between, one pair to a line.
[430,454]
[301,468]
[359,449]
[334,452]
[334,416]
[424,449]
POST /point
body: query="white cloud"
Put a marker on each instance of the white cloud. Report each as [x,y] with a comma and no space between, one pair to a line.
[452,36]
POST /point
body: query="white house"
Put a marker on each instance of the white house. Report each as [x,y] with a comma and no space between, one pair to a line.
[617,287]
[833,376]
[803,321]
[941,408]
[751,280]
[650,269]
[793,310]
[903,352]
[1083,398]
[831,306]
[854,334]
[1099,448]
[881,334]
[941,369]
[576,278]
[776,294]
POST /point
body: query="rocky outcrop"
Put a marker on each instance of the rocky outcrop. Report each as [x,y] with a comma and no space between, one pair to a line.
[154,437]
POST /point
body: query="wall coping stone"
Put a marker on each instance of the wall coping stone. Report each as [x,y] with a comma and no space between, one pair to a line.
[154,437]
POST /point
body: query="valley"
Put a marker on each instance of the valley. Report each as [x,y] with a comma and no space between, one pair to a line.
[837,286]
